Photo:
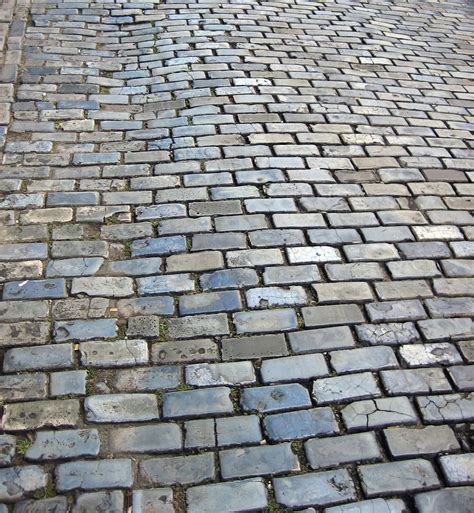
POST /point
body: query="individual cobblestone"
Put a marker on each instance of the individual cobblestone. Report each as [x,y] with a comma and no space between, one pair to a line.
[121,408]
[300,424]
[86,475]
[314,489]
[256,461]
[413,475]
[331,452]
[192,469]
[233,496]
[458,500]
[67,444]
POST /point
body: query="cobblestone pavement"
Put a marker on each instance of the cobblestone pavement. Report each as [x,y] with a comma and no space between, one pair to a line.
[236,256]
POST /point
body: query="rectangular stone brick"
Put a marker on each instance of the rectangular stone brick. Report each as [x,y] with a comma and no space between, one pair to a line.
[314,489]
[398,477]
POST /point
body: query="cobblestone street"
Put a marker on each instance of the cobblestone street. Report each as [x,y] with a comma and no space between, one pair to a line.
[236,256]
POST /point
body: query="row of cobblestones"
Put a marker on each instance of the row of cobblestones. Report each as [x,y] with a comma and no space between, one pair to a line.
[236,256]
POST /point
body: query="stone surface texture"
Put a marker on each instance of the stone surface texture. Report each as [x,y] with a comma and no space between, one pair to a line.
[236,256]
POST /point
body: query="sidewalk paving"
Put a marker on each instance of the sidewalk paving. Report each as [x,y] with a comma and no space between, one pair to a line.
[236,256]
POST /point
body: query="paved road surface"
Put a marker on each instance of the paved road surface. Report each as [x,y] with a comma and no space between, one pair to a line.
[236,256]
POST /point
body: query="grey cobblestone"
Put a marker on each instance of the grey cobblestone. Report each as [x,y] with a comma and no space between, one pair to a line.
[427,441]
[233,496]
[314,489]
[153,500]
[331,452]
[146,439]
[409,475]
[195,403]
[191,469]
[300,424]
[112,501]
[51,445]
[379,413]
[458,500]
[370,506]
[121,408]
[86,475]
[275,398]
[256,461]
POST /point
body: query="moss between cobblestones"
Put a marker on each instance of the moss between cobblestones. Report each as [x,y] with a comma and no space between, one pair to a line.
[183,387]
[23,445]
[48,493]
[163,331]
[159,397]
[273,506]
[91,375]
[297,446]
[127,248]
[113,219]
[179,499]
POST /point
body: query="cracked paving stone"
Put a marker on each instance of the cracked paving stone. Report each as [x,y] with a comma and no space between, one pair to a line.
[389,334]
[378,413]
[418,355]
[74,267]
[345,388]
[436,409]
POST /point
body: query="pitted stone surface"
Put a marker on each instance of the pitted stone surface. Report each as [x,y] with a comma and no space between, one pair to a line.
[236,256]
